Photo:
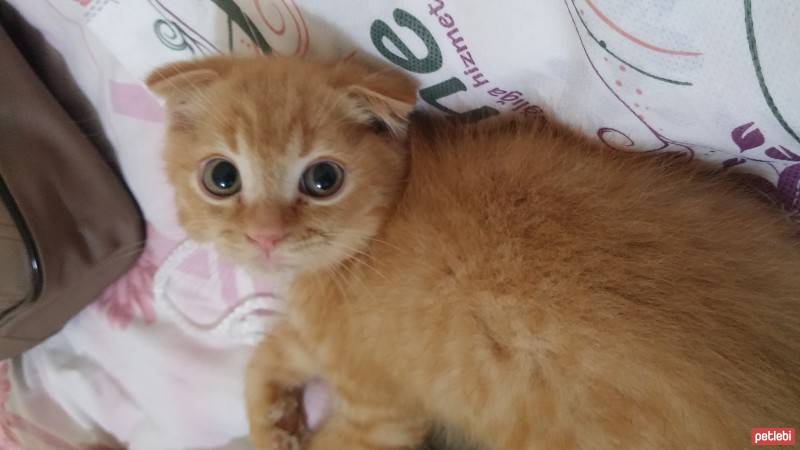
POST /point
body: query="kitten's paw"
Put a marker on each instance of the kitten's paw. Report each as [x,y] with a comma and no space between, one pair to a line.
[281,440]
[283,425]
[287,414]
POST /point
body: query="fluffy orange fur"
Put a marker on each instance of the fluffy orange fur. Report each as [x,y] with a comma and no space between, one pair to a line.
[515,282]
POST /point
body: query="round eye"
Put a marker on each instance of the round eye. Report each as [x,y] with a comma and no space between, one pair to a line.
[322,179]
[221,178]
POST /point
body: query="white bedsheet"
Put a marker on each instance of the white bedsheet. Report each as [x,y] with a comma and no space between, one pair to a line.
[156,363]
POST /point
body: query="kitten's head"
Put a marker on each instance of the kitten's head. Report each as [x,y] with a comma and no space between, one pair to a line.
[284,164]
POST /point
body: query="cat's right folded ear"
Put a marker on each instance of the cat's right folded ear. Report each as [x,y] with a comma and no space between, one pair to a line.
[181,85]
[182,80]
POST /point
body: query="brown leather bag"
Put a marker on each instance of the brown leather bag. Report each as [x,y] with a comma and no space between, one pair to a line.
[68,226]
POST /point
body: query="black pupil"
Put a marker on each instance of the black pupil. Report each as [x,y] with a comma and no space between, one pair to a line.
[324,177]
[224,175]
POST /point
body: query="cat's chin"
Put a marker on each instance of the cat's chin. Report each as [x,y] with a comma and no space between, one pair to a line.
[277,267]
[256,262]
[261,264]
[278,279]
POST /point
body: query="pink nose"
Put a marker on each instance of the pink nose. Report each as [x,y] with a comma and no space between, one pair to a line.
[267,240]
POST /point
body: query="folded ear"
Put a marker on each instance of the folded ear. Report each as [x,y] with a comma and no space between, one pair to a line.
[180,79]
[181,85]
[383,99]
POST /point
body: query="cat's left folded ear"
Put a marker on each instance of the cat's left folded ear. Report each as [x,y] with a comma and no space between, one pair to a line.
[380,98]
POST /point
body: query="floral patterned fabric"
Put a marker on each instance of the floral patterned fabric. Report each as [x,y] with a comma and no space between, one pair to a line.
[156,363]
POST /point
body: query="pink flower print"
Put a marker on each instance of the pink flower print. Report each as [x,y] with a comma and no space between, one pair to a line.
[131,296]
[12,426]
[133,100]
[5,384]
[8,439]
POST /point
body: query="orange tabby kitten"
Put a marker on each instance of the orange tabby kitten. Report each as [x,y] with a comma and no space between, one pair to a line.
[517,283]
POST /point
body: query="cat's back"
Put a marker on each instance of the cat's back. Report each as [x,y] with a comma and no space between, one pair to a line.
[506,192]
[520,197]
[615,268]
